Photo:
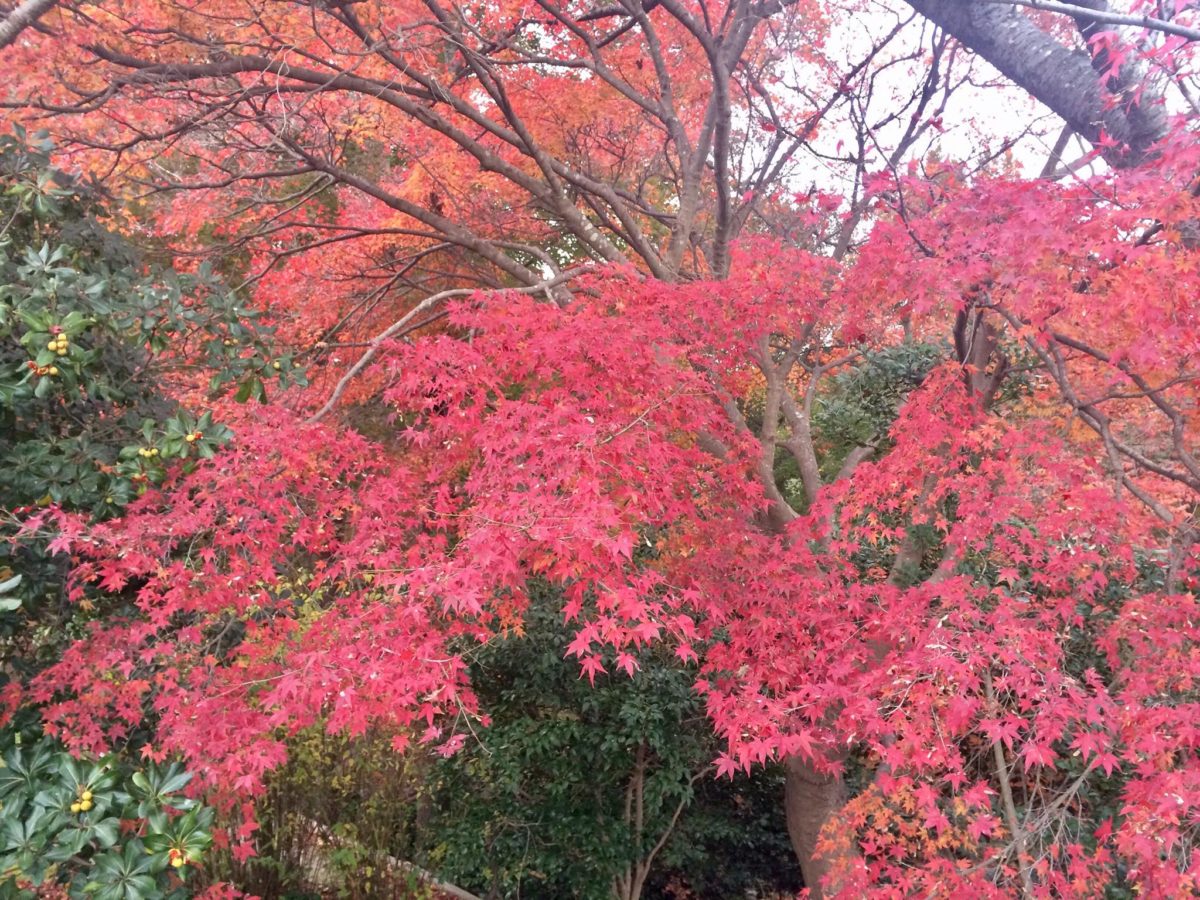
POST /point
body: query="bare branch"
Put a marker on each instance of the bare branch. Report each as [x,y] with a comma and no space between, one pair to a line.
[1109,18]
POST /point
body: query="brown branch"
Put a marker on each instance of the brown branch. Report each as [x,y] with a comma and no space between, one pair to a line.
[1006,795]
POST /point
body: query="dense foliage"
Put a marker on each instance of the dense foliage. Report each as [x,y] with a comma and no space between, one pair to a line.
[96,352]
[63,823]
[572,788]
[699,391]
[545,803]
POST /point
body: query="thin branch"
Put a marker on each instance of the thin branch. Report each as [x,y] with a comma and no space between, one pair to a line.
[428,303]
[1006,795]
[1106,17]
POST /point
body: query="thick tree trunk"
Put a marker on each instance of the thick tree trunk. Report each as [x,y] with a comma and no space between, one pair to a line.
[1062,78]
[811,799]
[23,16]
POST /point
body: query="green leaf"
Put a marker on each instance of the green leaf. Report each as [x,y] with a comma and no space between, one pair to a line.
[106,832]
[175,780]
[245,390]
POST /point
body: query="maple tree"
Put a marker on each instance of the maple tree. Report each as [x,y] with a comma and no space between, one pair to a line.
[918,494]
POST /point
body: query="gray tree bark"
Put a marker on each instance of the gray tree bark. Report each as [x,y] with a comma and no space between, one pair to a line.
[811,799]
[21,17]
[1126,107]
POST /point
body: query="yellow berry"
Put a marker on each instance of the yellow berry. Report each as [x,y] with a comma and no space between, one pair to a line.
[178,862]
[276,366]
[61,351]
[85,805]
[86,795]
[53,345]
[53,370]
[76,807]
[190,438]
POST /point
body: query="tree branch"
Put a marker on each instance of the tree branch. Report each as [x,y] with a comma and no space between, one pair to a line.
[1060,77]
[426,304]
[22,17]
[1106,17]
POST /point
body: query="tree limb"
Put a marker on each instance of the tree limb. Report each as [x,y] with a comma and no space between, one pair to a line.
[426,304]
[1060,77]
[1106,17]
[22,17]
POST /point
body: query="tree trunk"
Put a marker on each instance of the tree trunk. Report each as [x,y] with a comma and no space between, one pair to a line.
[811,799]
[22,17]
[1061,77]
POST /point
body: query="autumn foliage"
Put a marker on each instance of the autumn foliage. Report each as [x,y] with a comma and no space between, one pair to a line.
[978,587]
[916,492]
